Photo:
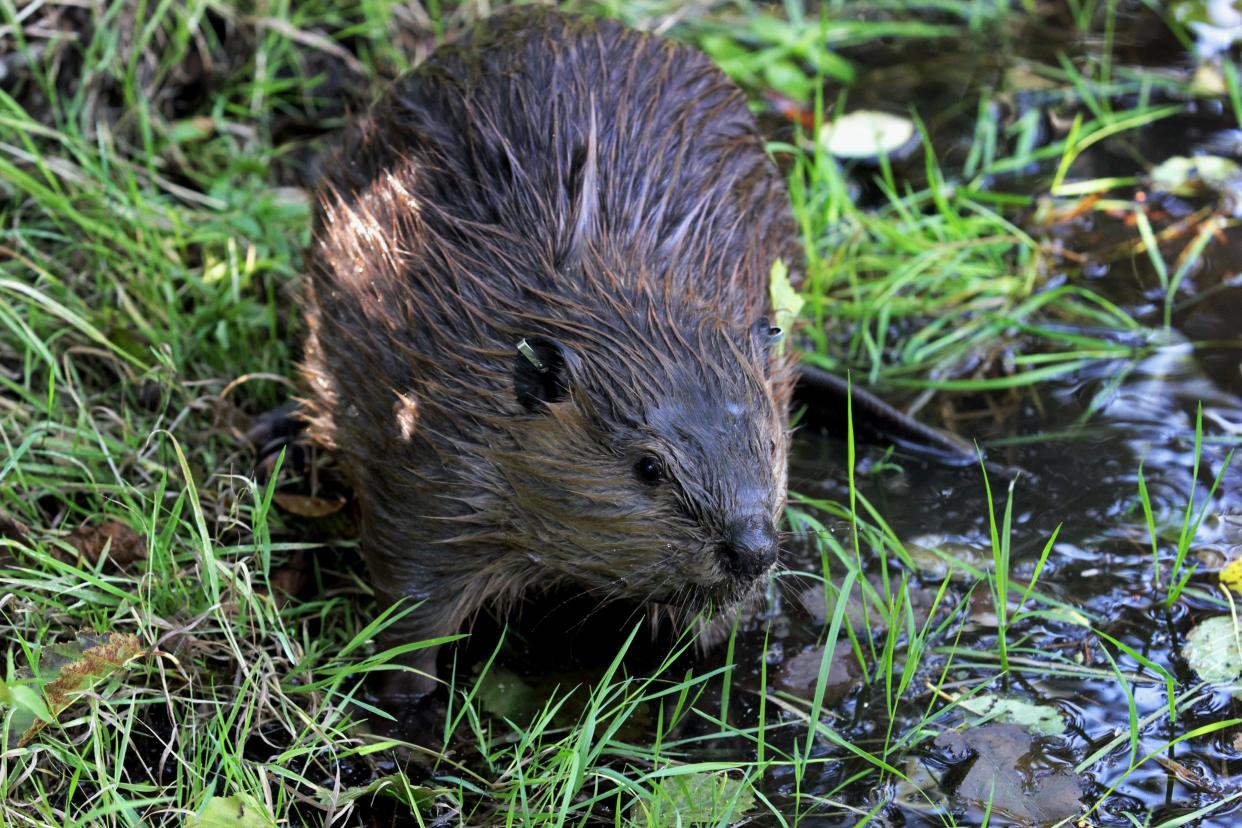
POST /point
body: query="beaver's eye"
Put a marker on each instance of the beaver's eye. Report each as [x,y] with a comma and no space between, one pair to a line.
[648,470]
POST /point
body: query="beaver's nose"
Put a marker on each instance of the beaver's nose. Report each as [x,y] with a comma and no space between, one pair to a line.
[750,545]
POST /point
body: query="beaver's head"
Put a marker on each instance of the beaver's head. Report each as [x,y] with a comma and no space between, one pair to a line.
[649,460]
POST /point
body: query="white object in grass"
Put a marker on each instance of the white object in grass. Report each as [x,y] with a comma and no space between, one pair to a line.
[865,133]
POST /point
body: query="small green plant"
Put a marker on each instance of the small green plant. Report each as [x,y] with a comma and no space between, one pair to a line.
[1179,572]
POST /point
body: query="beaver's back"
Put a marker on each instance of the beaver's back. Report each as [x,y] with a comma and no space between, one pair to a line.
[546,135]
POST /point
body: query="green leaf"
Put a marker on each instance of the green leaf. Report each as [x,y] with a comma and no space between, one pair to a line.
[787,78]
[237,811]
[1039,719]
[1212,650]
[394,786]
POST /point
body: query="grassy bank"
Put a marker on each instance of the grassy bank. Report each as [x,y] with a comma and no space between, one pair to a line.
[212,632]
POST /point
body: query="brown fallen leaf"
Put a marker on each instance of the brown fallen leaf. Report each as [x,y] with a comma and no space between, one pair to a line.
[800,673]
[289,580]
[308,506]
[13,529]
[82,673]
[124,545]
[1003,764]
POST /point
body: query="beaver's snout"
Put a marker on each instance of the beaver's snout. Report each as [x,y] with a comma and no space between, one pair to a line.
[750,546]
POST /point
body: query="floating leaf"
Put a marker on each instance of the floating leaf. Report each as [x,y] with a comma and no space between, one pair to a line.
[866,133]
[237,811]
[1231,575]
[1042,720]
[1212,650]
[698,798]
[80,671]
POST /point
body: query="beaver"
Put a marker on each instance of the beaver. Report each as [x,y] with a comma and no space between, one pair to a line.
[541,340]
[540,334]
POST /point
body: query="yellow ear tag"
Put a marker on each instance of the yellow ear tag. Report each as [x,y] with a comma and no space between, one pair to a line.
[1231,575]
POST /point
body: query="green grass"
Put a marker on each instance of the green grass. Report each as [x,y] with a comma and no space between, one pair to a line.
[154,166]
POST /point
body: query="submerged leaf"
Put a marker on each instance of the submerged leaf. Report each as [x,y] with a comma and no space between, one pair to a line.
[801,673]
[1212,650]
[698,799]
[1005,768]
[505,694]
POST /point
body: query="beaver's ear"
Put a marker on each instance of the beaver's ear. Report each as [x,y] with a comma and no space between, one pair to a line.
[765,335]
[541,370]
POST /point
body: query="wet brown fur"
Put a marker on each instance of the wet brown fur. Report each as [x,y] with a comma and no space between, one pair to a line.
[572,179]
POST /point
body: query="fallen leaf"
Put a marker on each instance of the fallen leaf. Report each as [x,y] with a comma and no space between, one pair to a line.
[1042,720]
[1212,650]
[1191,176]
[13,529]
[394,786]
[1208,81]
[1005,767]
[123,545]
[308,506]
[289,580]
[238,811]
[1231,575]
[94,663]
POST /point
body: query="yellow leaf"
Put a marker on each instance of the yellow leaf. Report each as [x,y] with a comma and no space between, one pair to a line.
[786,302]
[1231,575]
